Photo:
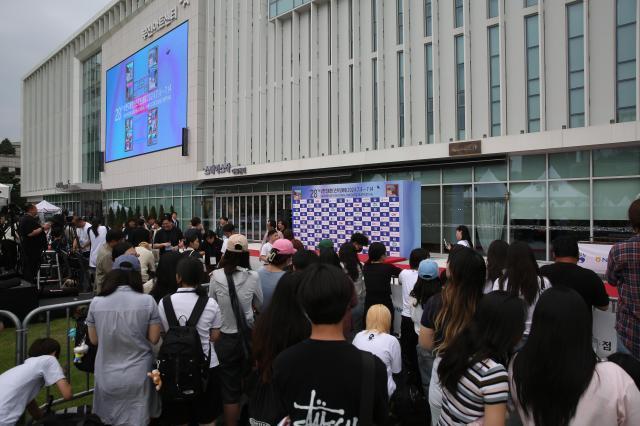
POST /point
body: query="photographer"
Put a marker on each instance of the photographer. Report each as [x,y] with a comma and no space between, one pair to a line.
[33,239]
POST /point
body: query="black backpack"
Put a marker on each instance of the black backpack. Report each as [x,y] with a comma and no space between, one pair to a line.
[183,366]
[88,362]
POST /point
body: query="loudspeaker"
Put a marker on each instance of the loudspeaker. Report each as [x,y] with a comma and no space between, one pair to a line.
[19,300]
[185,142]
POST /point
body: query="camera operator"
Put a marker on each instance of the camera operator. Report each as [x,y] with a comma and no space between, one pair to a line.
[34,241]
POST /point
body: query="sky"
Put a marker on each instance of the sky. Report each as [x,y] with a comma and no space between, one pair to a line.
[29,31]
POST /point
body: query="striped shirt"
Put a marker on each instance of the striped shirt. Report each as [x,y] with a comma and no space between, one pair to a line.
[484,383]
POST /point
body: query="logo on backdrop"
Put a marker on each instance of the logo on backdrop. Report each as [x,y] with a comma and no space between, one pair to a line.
[159,23]
[220,169]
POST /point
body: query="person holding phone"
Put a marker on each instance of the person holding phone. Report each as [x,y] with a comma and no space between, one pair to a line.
[168,237]
[463,237]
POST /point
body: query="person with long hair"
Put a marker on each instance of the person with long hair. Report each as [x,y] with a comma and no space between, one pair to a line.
[522,278]
[556,378]
[427,285]
[473,371]
[206,407]
[279,259]
[496,262]
[449,312]
[463,237]
[377,278]
[351,265]
[96,234]
[237,290]
[124,324]
[165,281]
[280,326]
[375,338]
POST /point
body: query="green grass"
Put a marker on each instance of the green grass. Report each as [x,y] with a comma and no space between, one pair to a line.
[59,331]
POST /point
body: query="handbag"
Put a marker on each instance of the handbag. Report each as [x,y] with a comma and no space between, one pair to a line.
[244,331]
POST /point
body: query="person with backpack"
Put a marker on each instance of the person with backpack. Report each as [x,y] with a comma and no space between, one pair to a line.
[20,385]
[237,290]
[190,322]
[124,324]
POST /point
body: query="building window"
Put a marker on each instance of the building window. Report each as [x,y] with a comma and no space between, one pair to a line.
[400,21]
[492,8]
[494,79]
[625,60]
[427,18]
[351,123]
[429,85]
[529,3]
[575,47]
[374,25]
[91,155]
[350,29]
[375,102]
[460,115]
[401,98]
[533,73]
[459,13]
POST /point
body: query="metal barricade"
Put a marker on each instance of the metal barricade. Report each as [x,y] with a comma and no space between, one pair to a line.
[18,325]
[66,347]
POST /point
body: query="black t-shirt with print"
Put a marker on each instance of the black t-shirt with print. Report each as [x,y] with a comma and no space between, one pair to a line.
[323,380]
[584,281]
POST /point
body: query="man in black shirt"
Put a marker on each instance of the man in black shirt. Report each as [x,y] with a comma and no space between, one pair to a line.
[167,237]
[566,272]
[320,380]
[32,237]
[139,234]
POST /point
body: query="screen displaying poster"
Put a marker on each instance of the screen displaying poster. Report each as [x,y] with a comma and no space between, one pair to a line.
[146,98]
[387,212]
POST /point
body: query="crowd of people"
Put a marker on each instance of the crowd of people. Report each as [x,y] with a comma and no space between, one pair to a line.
[308,338]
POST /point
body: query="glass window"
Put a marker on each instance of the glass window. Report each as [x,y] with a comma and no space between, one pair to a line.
[611,200]
[527,203]
[625,60]
[456,175]
[373,177]
[431,218]
[374,25]
[616,162]
[400,98]
[569,165]
[491,214]
[460,93]
[427,177]
[91,86]
[529,167]
[375,102]
[459,13]
[400,21]
[575,43]
[494,79]
[427,18]
[533,73]
[492,8]
[528,3]
[491,173]
[400,176]
[429,87]
[569,206]
[456,209]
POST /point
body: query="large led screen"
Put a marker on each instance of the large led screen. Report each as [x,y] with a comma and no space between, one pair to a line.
[146,106]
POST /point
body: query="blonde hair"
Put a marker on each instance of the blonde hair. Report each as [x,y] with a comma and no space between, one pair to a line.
[379,319]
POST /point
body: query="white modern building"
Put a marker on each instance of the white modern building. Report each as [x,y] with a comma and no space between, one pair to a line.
[289,92]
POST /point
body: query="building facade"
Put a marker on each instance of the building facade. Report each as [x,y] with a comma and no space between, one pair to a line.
[291,92]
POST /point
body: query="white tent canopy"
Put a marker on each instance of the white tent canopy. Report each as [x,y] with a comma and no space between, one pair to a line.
[4,191]
[46,207]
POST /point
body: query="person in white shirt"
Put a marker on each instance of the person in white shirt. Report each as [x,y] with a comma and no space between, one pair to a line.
[208,406]
[272,237]
[463,237]
[97,235]
[20,385]
[409,339]
[377,340]
[227,230]
[147,261]
[82,232]
[522,278]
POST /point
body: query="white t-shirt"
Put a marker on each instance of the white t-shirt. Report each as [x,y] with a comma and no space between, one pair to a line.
[415,309]
[611,398]
[96,242]
[384,346]
[183,301]
[407,279]
[21,384]
[83,237]
[266,249]
[530,309]
[463,243]
[224,245]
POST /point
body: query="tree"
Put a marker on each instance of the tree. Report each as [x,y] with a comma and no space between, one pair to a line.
[12,179]
[171,209]
[129,214]
[122,220]
[153,213]
[6,147]
[111,218]
[145,212]
[161,212]
[137,213]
